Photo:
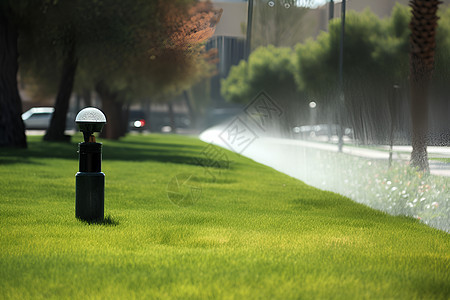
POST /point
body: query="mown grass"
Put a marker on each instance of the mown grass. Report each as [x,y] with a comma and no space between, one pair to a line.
[251,233]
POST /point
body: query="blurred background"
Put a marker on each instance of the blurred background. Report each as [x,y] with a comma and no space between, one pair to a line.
[184,66]
[371,75]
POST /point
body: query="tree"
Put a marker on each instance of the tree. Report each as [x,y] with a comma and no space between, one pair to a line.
[170,57]
[376,56]
[12,130]
[317,70]
[268,69]
[95,36]
[280,23]
[113,47]
[439,102]
[423,44]
[66,36]
[376,59]
[50,51]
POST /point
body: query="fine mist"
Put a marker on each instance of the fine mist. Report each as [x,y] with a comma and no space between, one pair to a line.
[368,173]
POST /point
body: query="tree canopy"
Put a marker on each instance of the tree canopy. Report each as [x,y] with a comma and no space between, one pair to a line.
[124,50]
[376,58]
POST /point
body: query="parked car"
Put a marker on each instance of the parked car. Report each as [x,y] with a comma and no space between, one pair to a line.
[137,120]
[38,117]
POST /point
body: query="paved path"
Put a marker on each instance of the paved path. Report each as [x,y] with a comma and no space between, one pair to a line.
[280,153]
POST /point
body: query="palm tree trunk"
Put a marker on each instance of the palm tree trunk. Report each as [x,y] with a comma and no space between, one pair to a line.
[423,43]
[419,116]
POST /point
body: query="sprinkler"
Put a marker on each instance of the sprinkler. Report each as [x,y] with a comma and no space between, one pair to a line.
[90,180]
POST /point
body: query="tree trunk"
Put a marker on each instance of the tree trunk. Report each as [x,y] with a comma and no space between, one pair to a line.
[113,109]
[12,129]
[192,113]
[148,111]
[419,116]
[125,121]
[172,117]
[55,132]
[87,99]
[423,43]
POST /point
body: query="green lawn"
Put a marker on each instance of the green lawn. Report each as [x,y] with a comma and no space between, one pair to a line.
[250,233]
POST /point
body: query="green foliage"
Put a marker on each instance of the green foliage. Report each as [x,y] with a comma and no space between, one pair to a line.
[376,57]
[269,68]
[310,56]
[376,52]
[397,24]
[47,34]
[318,61]
[391,51]
[235,87]
[442,59]
[244,237]
[272,70]
[123,44]
[152,49]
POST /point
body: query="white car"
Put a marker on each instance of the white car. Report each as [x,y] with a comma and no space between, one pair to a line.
[38,117]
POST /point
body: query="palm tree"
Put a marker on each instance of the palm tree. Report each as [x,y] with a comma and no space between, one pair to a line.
[423,43]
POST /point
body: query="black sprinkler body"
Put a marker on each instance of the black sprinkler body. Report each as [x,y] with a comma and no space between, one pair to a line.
[90,180]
